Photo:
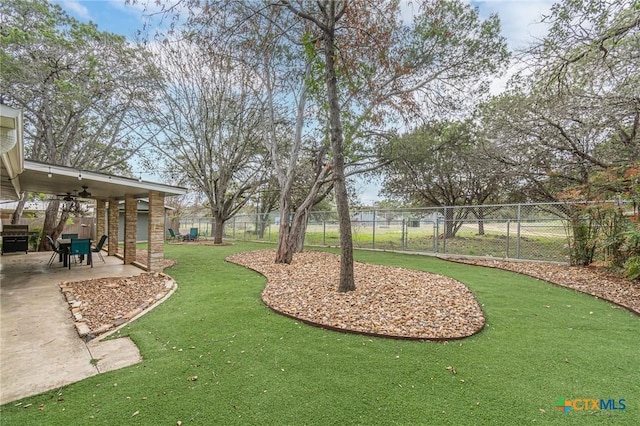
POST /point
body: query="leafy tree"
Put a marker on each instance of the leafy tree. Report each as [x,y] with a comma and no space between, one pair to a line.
[376,69]
[442,164]
[76,86]
[574,110]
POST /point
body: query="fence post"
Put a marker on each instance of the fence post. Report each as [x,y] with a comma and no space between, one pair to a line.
[435,236]
[436,244]
[518,231]
[324,232]
[373,242]
[508,228]
[402,235]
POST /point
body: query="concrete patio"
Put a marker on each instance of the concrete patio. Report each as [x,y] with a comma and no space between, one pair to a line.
[40,349]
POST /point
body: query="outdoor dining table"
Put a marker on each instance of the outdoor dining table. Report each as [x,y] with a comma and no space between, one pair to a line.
[66,244]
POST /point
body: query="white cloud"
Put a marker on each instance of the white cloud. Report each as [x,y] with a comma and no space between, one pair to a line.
[520,20]
[77,8]
[141,7]
[521,26]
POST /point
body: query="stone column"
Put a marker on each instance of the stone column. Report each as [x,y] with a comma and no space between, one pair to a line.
[155,257]
[101,220]
[130,228]
[114,217]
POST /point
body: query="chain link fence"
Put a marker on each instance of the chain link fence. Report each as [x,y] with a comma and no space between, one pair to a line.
[517,231]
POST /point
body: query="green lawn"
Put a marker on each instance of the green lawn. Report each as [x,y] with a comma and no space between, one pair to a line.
[541,343]
[549,243]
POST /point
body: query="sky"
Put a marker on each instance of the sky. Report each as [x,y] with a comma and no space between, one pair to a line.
[518,17]
[520,20]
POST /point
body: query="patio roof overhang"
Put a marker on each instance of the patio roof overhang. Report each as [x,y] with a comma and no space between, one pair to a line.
[40,177]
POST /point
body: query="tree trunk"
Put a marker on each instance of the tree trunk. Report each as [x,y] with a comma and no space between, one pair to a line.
[449,223]
[347,280]
[219,230]
[285,251]
[263,220]
[299,229]
[479,214]
[52,226]
[17,213]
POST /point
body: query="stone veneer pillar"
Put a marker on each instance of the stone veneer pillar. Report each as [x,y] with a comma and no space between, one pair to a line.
[101,219]
[114,219]
[155,257]
[130,228]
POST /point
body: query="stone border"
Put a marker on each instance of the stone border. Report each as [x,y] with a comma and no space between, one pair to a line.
[107,329]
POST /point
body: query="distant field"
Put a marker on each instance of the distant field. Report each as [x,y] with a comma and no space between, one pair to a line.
[537,240]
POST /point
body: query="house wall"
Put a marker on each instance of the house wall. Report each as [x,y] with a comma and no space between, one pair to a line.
[142,226]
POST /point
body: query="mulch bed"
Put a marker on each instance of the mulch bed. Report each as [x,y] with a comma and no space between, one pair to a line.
[390,302]
[592,280]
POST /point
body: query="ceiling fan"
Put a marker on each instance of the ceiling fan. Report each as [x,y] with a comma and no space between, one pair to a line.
[84,193]
[67,196]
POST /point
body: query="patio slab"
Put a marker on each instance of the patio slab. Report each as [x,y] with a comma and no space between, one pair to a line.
[40,349]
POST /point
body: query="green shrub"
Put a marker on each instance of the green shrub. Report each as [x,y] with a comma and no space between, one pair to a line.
[34,240]
[632,268]
[584,242]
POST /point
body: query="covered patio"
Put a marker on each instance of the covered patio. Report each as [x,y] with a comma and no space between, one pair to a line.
[20,176]
[40,347]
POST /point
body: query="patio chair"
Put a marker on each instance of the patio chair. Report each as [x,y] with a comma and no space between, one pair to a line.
[193,235]
[81,247]
[69,236]
[174,236]
[98,247]
[57,250]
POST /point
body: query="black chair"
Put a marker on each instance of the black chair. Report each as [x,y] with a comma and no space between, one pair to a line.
[98,247]
[57,250]
[81,247]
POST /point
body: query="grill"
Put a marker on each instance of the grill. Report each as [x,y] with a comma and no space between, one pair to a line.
[15,238]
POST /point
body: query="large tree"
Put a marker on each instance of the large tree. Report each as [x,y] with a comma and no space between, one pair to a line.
[442,164]
[76,86]
[207,123]
[376,69]
[575,109]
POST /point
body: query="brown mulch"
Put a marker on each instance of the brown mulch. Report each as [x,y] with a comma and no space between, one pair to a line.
[392,302]
[592,280]
[105,303]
